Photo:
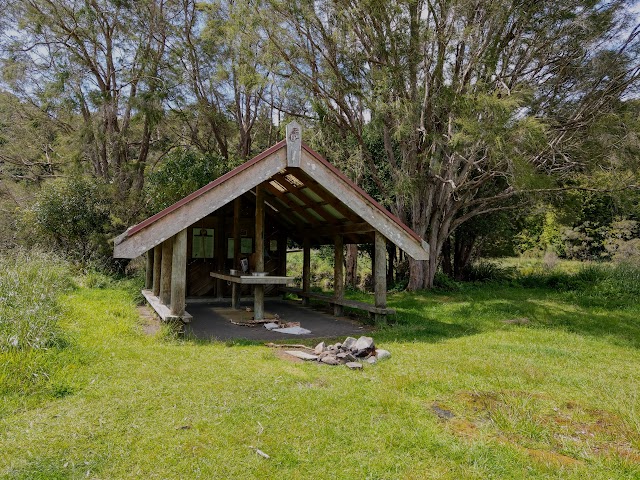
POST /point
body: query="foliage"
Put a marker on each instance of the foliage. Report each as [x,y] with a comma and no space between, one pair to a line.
[451,114]
[73,215]
[30,284]
[622,242]
[542,233]
[96,67]
[468,113]
[181,173]
[30,141]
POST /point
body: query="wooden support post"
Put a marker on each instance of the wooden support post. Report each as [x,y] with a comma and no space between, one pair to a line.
[282,255]
[380,275]
[179,273]
[258,291]
[165,271]
[338,274]
[148,281]
[306,269]
[235,295]
[220,253]
[237,203]
[157,264]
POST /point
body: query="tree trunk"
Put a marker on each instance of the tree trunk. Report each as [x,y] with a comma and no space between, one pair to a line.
[462,254]
[446,259]
[418,271]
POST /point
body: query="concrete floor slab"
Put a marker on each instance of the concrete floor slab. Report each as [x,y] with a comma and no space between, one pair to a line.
[213,321]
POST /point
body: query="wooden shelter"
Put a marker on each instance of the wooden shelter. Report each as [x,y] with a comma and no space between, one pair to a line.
[246,217]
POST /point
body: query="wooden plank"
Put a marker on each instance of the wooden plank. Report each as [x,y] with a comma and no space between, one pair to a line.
[162,310]
[360,227]
[344,302]
[157,265]
[179,273]
[338,274]
[380,274]
[200,206]
[309,204]
[148,281]
[165,271]
[419,250]
[288,203]
[312,185]
[306,268]
[253,280]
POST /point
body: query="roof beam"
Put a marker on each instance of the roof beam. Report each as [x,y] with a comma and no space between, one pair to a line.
[308,202]
[200,205]
[362,227]
[322,173]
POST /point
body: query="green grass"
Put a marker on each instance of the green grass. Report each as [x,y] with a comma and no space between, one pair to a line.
[558,397]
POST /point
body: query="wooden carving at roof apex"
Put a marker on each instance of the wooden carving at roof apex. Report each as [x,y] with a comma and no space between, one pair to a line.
[321,201]
[294,144]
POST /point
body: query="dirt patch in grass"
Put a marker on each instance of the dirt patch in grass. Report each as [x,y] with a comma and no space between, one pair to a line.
[551,435]
[549,457]
[149,321]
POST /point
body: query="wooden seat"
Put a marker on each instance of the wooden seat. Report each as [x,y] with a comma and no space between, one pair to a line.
[340,301]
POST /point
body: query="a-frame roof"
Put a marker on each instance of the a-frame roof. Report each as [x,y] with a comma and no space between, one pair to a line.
[304,192]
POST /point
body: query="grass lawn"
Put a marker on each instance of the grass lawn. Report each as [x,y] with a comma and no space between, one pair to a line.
[557,397]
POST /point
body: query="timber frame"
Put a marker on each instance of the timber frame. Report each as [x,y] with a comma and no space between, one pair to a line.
[287,192]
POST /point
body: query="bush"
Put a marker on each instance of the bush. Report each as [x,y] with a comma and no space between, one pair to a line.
[181,173]
[444,282]
[30,283]
[74,215]
[486,271]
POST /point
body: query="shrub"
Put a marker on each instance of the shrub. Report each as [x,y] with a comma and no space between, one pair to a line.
[181,173]
[486,271]
[444,282]
[30,283]
[73,215]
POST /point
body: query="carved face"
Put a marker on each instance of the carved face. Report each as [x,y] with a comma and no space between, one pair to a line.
[294,134]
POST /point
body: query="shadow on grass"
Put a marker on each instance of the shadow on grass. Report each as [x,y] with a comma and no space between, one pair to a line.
[432,316]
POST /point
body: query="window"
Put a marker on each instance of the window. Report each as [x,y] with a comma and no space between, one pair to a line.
[246,246]
[203,244]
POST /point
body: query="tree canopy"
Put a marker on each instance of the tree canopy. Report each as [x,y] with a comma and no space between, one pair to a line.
[447,111]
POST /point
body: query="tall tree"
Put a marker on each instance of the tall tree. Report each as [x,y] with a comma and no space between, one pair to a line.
[475,101]
[101,60]
[224,80]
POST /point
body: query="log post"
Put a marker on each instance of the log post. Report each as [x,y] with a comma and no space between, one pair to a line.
[235,295]
[338,274]
[179,273]
[220,253]
[306,269]
[282,255]
[165,271]
[258,291]
[237,203]
[157,265]
[380,275]
[148,281]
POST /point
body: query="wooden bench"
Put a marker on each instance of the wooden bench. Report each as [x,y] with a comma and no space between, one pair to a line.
[372,309]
